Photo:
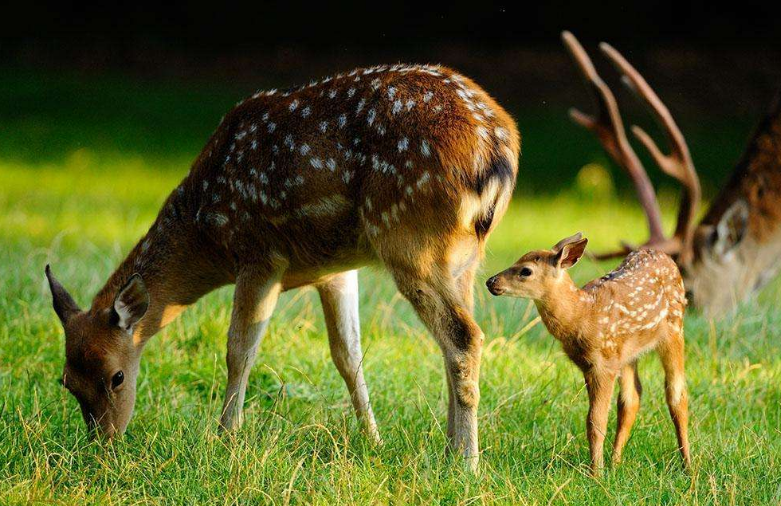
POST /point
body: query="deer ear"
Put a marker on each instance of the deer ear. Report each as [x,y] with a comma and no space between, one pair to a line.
[131,304]
[567,240]
[731,228]
[570,253]
[63,303]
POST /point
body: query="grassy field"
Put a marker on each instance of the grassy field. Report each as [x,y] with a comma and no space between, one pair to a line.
[82,209]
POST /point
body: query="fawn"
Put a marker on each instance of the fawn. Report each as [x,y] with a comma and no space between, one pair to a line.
[406,166]
[605,326]
[734,250]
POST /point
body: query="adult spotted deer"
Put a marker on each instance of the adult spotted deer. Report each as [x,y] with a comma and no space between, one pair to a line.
[735,248]
[605,326]
[410,167]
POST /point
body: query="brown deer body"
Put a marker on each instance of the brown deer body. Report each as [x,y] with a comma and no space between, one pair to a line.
[605,326]
[410,167]
[737,245]
[736,248]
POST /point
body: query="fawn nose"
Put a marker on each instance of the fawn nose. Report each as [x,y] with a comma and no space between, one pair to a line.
[493,287]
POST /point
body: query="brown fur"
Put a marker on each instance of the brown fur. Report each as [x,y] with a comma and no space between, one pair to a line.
[408,166]
[605,326]
[737,244]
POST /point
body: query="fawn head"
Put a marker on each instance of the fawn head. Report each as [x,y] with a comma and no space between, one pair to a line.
[716,277]
[537,273]
[101,359]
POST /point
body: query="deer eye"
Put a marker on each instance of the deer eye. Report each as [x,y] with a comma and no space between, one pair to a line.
[525,272]
[117,379]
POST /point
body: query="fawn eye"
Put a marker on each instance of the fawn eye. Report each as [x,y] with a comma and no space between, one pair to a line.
[525,272]
[117,379]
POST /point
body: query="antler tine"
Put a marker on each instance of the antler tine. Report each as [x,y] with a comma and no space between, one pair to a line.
[678,164]
[609,129]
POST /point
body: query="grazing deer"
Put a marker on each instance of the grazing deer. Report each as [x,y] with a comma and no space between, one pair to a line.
[605,326]
[407,166]
[735,249]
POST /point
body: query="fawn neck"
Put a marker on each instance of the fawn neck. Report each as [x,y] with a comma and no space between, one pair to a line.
[563,307]
[177,270]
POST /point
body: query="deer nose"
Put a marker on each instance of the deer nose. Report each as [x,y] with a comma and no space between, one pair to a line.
[493,287]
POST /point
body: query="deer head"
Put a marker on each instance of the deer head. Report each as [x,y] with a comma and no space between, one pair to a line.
[536,274]
[720,263]
[101,359]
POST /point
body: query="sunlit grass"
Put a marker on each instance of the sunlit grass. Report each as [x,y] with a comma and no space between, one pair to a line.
[300,443]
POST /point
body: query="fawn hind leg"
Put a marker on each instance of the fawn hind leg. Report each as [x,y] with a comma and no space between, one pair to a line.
[254,299]
[600,390]
[671,355]
[628,404]
[339,297]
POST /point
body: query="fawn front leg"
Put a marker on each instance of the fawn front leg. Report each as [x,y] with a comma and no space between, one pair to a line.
[254,300]
[339,297]
[600,390]
[628,405]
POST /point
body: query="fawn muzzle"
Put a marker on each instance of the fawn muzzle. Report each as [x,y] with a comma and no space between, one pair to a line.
[494,285]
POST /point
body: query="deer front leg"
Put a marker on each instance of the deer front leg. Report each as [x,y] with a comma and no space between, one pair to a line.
[600,390]
[254,299]
[339,297]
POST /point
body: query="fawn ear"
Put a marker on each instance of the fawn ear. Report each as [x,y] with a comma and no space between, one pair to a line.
[731,228]
[570,253]
[131,304]
[63,303]
[567,240]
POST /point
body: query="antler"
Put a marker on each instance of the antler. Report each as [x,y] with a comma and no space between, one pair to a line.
[609,129]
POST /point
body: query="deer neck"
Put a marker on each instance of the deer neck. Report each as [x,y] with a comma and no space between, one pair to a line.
[177,269]
[563,308]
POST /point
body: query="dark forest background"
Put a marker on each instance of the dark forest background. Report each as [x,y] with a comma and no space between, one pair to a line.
[155,78]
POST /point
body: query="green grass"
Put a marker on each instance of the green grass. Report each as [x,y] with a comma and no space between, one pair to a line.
[300,442]
[79,185]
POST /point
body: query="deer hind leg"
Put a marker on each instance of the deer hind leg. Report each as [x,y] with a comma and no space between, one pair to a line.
[339,297]
[254,299]
[671,355]
[440,305]
[628,404]
[465,285]
[600,390]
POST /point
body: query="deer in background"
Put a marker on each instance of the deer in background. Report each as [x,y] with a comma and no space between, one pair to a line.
[406,166]
[605,326]
[735,249]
